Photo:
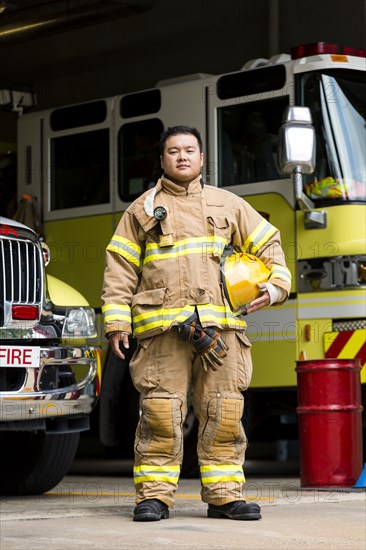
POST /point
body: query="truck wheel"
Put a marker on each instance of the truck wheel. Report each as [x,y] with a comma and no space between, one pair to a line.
[34,462]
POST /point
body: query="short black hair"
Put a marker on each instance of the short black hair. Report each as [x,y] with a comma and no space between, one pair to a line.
[174,131]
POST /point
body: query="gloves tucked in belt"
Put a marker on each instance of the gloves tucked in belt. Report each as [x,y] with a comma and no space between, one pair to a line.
[206,341]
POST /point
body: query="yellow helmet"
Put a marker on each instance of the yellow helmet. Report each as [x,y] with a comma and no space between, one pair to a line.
[241,274]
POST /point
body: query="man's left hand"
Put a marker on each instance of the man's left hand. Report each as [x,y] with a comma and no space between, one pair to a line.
[263,300]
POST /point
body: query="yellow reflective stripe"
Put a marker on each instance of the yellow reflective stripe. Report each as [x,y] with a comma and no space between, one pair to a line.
[221,315]
[195,245]
[280,272]
[125,248]
[169,314]
[146,472]
[221,473]
[259,237]
[221,478]
[221,467]
[114,312]
[149,467]
[160,318]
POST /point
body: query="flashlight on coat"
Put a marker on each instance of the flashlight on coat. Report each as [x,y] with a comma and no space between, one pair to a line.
[160,213]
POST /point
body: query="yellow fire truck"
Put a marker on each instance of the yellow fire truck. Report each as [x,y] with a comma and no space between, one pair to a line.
[85,163]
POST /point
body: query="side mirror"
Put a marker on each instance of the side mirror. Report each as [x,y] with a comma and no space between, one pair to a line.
[296,149]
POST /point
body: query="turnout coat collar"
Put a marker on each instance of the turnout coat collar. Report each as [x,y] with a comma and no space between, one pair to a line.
[195,186]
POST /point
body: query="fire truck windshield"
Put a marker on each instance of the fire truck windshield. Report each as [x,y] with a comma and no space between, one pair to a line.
[337,99]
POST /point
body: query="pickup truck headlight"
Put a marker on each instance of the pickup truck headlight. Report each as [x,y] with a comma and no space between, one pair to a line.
[79,323]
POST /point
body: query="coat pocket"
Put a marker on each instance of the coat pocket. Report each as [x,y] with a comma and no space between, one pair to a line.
[219,228]
[148,311]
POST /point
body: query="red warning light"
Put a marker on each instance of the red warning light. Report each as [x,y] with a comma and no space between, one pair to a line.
[316,48]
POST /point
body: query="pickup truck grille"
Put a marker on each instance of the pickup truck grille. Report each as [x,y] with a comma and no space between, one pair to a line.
[21,276]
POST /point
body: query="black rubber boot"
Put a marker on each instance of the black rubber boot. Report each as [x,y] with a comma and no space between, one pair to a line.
[238,509]
[150,509]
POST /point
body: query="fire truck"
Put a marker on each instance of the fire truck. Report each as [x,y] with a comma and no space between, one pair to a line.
[49,366]
[85,163]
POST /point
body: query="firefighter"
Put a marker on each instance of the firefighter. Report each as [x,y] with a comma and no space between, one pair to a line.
[163,284]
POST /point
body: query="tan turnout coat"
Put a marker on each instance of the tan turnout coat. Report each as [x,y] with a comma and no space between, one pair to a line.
[158,273]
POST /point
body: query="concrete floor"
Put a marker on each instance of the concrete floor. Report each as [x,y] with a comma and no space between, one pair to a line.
[95,512]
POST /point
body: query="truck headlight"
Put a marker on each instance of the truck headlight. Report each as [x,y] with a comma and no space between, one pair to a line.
[79,323]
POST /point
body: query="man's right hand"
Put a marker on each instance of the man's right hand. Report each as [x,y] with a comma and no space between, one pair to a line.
[115,338]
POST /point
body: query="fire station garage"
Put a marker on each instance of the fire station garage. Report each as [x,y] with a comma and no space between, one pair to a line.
[275,91]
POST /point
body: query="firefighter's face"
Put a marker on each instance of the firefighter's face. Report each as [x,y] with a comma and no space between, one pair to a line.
[182,159]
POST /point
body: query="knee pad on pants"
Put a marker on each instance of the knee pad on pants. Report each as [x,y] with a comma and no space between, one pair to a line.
[159,432]
[223,433]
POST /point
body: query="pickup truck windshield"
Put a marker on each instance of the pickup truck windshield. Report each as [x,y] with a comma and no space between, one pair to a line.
[337,99]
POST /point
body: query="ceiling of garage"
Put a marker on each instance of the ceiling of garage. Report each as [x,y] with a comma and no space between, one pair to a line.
[74,50]
[40,39]
[26,19]
[36,36]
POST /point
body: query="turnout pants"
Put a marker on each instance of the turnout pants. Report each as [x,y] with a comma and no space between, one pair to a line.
[163,369]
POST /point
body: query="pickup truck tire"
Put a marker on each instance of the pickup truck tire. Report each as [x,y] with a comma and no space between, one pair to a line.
[32,463]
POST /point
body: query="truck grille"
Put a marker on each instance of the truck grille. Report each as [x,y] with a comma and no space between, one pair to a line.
[21,268]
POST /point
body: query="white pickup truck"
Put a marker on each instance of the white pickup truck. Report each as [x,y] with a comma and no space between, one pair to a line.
[49,366]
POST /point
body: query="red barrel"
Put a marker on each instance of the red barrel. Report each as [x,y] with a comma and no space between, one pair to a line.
[330,422]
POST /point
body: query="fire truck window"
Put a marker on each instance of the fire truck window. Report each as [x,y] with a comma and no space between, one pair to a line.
[75,116]
[337,99]
[80,170]
[140,104]
[139,159]
[247,141]
[256,81]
